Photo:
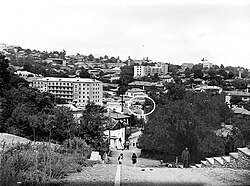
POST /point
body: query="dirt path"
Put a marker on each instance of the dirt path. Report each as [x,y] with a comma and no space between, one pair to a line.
[127,158]
[147,173]
[165,176]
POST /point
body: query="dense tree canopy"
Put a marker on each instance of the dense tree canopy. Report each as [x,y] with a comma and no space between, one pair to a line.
[84,73]
[186,119]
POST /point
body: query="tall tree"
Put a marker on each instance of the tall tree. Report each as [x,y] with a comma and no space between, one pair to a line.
[91,127]
[84,73]
[5,75]
[65,124]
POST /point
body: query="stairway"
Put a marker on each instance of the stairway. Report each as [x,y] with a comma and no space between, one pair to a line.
[240,159]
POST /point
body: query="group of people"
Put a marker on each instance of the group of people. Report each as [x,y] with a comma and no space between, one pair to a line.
[133,158]
[185,157]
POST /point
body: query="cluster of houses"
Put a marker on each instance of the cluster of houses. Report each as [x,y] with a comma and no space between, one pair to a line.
[78,92]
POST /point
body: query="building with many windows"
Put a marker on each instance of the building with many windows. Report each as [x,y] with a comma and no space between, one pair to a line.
[159,68]
[73,90]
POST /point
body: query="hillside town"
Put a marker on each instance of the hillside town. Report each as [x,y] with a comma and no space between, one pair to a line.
[83,86]
[43,69]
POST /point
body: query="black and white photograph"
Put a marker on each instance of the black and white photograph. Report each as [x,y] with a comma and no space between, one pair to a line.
[125,92]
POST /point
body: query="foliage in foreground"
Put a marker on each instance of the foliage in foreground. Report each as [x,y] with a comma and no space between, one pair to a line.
[32,165]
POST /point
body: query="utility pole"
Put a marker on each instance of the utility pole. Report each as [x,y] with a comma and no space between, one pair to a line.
[122,84]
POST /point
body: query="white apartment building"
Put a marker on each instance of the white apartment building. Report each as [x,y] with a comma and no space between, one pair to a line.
[72,90]
[159,68]
[140,71]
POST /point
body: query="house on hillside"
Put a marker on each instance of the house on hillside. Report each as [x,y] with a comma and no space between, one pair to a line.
[207,88]
[145,84]
[241,111]
[116,129]
[116,70]
[56,61]
[166,78]
[134,137]
[25,74]
[243,96]
[135,92]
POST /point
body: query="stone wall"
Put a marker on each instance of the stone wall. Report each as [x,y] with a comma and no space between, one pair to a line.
[244,160]
[217,164]
[233,162]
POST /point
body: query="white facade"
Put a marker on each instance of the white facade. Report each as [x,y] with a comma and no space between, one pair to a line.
[140,71]
[56,61]
[135,92]
[133,139]
[207,64]
[73,90]
[115,137]
[159,68]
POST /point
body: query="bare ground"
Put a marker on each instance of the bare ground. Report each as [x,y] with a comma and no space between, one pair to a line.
[147,173]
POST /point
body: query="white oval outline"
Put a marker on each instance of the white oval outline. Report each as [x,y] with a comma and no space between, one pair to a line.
[142,97]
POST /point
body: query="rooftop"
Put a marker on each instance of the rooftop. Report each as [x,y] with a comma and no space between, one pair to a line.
[116,115]
[83,80]
[238,93]
[135,90]
[144,83]
[243,111]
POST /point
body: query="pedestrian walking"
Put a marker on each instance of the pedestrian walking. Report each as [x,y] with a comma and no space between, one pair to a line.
[126,145]
[120,158]
[134,159]
[185,157]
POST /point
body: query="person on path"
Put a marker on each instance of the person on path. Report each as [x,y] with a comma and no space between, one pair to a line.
[120,158]
[134,159]
[185,157]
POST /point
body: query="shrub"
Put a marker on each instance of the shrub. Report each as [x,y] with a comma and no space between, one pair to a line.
[76,145]
[32,165]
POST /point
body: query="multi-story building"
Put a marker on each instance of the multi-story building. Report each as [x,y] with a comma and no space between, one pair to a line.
[73,90]
[159,68]
[140,71]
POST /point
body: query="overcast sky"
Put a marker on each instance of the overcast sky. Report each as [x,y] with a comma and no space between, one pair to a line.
[175,31]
